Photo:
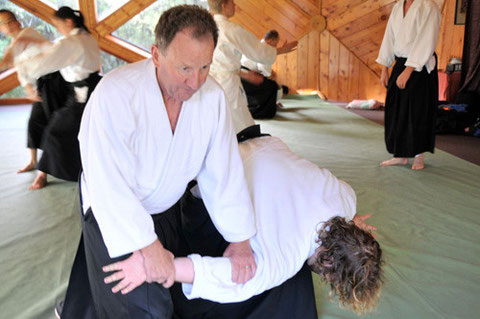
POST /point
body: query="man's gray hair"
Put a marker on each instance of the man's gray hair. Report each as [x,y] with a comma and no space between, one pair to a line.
[179,18]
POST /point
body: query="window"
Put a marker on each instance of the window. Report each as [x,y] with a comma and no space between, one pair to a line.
[139,30]
[106,7]
[110,62]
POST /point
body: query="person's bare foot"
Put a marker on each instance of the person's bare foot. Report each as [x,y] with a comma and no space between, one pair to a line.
[418,162]
[30,167]
[395,161]
[39,182]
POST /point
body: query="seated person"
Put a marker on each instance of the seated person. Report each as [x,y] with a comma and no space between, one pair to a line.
[262,91]
[303,213]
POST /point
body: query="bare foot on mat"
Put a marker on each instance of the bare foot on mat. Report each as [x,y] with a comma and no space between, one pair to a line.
[39,182]
[395,161]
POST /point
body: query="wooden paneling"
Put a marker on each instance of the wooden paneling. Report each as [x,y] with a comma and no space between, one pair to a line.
[325,64]
[450,39]
[8,81]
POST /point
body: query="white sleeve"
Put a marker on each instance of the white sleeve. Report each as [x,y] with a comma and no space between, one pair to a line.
[222,181]
[107,136]
[213,281]
[61,54]
[426,40]
[386,55]
[251,47]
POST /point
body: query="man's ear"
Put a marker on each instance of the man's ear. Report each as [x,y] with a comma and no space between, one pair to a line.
[156,55]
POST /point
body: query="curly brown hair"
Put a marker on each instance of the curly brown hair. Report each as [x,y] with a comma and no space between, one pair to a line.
[350,260]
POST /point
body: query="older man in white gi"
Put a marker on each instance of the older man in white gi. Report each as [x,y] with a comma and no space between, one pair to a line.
[233,42]
[148,130]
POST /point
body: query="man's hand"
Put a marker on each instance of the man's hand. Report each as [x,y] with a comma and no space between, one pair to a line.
[403,77]
[130,272]
[287,47]
[384,76]
[243,262]
[360,222]
[159,265]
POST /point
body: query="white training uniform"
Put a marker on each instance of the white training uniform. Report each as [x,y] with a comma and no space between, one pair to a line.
[292,198]
[134,166]
[22,52]
[263,69]
[233,41]
[413,37]
[76,56]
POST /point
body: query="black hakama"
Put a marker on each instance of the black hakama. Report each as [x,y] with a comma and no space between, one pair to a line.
[262,99]
[61,150]
[54,91]
[410,113]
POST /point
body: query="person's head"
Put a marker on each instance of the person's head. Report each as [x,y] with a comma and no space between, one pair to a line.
[271,38]
[225,7]
[65,19]
[350,260]
[185,38]
[9,24]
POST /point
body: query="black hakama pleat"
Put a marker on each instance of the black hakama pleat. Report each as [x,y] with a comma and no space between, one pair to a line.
[262,99]
[410,113]
[61,151]
[54,91]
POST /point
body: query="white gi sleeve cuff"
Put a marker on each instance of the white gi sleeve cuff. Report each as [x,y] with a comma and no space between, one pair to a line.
[191,291]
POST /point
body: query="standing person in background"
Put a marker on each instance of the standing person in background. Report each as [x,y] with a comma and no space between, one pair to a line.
[77,58]
[412,88]
[233,42]
[26,43]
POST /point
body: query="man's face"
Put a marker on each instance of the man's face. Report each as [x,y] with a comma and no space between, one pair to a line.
[183,67]
[229,9]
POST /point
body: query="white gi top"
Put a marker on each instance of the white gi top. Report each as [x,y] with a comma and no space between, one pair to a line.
[413,37]
[75,56]
[292,198]
[22,52]
[233,41]
[134,166]
[264,69]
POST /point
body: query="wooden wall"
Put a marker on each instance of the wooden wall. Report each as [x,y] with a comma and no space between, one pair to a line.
[450,39]
[340,62]
[323,63]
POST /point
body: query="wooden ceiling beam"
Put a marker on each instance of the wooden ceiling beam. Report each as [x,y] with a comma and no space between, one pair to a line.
[364,9]
[8,81]
[122,49]
[89,11]
[37,8]
[121,16]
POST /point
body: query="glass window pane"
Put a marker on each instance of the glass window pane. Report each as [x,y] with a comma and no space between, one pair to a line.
[139,30]
[110,62]
[60,3]
[106,7]
[15,93]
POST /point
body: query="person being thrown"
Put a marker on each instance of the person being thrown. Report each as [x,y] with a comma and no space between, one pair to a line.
[302,213]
